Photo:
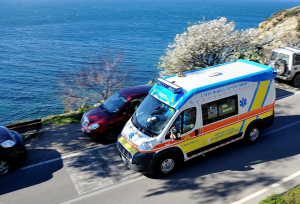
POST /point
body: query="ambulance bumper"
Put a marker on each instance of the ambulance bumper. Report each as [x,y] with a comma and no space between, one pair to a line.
[140,162]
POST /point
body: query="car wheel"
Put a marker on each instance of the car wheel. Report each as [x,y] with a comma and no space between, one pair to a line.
[252,134]
[166,166]
[296,80]
[110,136]
[4,167]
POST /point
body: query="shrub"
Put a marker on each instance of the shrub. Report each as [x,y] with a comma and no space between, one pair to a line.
[298,27]
[274,15]
[293,196]
[291,13]
[205,44]
[280,12]
[273,199]
[275,23]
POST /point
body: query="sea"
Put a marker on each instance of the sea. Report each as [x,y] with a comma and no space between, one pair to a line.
[41,40]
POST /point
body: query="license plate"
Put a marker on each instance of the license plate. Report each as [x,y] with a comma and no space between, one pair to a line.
[124,160]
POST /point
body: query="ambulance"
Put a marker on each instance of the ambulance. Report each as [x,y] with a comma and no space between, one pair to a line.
[192,113]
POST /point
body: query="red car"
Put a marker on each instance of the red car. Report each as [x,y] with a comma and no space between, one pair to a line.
[107,120]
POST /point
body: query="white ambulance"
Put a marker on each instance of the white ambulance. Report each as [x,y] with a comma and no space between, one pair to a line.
[190,114]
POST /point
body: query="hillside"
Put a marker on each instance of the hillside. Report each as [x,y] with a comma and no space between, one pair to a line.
[280,30]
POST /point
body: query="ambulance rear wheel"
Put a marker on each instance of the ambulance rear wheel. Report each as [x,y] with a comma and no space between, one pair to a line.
[252,134]
[166,165]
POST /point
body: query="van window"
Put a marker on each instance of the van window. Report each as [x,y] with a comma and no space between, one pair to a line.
[284,57]
[273,56]
[220,109]
[296,60]
[185,121]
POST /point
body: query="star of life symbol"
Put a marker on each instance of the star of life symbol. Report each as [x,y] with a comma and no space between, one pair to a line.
[131,135]
[243,102]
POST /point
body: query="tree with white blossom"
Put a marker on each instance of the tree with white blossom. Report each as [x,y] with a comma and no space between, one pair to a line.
[205,44]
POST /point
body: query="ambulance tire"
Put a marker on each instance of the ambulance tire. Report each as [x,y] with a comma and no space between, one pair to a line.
[252,133]
[167,165]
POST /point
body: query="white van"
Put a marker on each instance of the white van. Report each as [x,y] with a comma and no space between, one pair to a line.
[190,114]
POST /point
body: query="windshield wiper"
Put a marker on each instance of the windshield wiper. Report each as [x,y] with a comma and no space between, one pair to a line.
[141,128]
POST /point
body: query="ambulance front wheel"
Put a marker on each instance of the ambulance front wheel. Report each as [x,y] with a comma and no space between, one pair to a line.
[252,134]
[167,165]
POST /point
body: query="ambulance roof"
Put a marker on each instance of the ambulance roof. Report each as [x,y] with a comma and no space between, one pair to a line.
[201,80]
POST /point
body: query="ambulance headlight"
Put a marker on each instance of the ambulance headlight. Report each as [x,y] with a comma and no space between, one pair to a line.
[148,145]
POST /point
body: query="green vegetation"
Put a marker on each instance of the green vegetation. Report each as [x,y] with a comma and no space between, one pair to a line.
[298,27]
[290,197]
[291,13]
[251,55]
[151,82]
[275,23]
[66,118]
[275,15]
[293,196]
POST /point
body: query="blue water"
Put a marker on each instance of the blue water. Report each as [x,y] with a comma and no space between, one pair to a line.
[42,39]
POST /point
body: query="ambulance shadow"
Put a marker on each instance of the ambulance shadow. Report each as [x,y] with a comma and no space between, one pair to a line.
[281,93]
[25,177]
[228,170]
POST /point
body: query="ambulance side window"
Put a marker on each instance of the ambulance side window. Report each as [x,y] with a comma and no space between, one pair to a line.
[185,121]
[220,109]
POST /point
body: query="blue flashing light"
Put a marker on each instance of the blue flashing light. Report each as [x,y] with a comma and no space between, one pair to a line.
[168,85]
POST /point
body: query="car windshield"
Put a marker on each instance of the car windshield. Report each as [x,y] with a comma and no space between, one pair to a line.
[152,116]
[113,104]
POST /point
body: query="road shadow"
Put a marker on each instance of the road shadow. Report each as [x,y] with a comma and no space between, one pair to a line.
[283,92]
[22,178]
[62,138]
[234,165]
[97,168]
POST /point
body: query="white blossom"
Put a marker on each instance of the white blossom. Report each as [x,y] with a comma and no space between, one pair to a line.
[205,44]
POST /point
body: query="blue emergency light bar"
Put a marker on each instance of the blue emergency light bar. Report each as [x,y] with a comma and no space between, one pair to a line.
[168,85]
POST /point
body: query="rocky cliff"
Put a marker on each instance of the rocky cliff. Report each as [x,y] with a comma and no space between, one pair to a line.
[280,30]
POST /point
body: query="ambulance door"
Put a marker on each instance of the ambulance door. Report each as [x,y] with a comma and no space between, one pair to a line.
[220,121]
[184,130]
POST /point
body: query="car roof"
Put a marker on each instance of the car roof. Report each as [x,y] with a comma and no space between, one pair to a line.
[287,50]
[135,91]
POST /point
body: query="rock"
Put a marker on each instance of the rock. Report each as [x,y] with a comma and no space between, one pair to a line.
[280,30]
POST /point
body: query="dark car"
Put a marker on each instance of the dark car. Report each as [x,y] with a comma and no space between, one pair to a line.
[12,149]
[107,120]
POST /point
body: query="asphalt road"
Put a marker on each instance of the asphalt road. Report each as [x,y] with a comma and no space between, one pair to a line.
[236,173]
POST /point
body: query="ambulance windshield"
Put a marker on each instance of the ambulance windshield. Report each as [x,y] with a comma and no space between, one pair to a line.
[152,116]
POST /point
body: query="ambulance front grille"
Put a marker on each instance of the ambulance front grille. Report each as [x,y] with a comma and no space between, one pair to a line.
[124,151]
